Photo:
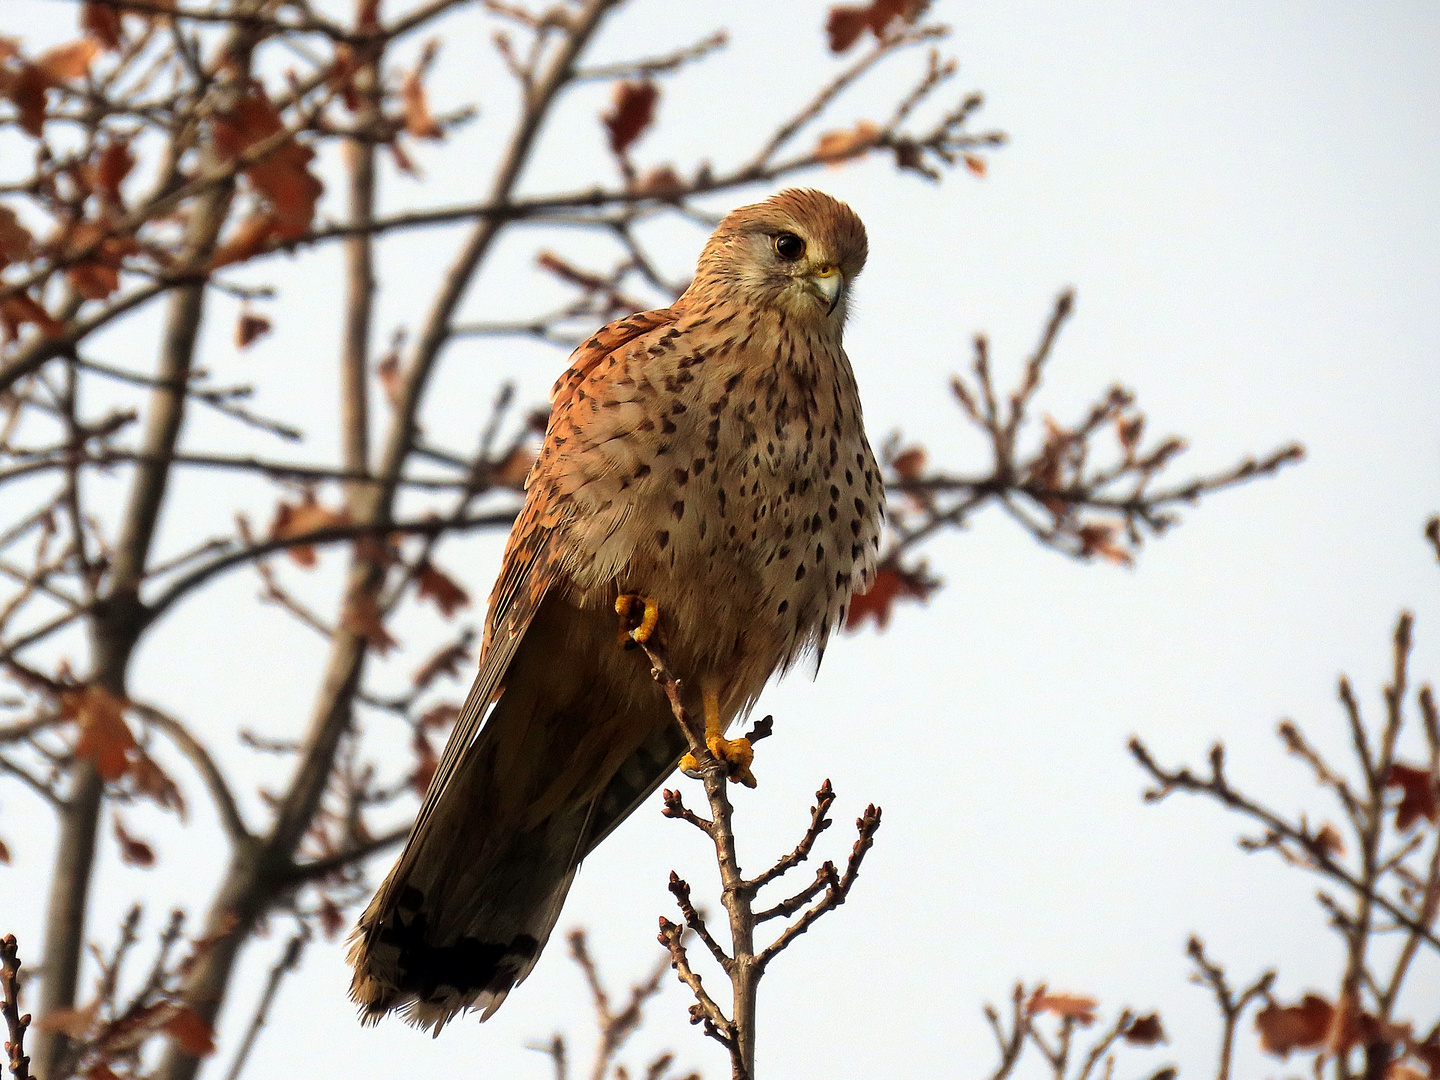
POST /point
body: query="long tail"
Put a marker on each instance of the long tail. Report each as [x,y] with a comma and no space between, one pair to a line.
[576,741]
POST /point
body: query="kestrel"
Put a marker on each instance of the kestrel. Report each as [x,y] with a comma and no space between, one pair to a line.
[707,460]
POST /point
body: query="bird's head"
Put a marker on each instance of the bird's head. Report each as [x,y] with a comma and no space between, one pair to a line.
[798,251]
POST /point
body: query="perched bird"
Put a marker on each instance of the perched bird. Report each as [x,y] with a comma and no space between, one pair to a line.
[707,461]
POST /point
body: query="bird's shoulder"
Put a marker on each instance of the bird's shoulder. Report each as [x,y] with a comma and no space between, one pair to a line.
[604,348]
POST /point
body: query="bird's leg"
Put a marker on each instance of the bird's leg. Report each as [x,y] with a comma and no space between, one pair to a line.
[735,754]
[625,605]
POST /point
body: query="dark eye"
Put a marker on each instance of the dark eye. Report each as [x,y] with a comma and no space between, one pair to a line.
[789,246]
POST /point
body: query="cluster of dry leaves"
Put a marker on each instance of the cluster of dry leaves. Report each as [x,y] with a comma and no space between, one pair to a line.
[96,235]
[108,1032]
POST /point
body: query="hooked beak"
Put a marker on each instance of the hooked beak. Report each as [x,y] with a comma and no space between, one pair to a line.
[829,285]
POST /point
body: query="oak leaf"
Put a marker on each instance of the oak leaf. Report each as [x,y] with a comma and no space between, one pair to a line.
[16,243]
[835,147]
[97,275]
[17,310]
[438,586]
[1145,1031]
[845,24]
[153,782]
[419,121]
[102,22]
[890,584]
[1329,840]
[65,63]
[133,850]
[332,921]
[909,464]
[109,169]
[1099,539]
[105,738]
[362,615]
[631,111]
[1418,798]
[1284,1028]
[249,328]
[425,763]
[247,240]
[1066,1006]
[440,716]
[190,1032]
[282,176]
[445,662]
[297,519]
[661,182]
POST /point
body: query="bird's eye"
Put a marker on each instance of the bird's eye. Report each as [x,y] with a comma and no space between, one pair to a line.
[789,246]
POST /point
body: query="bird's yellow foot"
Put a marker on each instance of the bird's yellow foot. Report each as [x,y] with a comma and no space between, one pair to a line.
[737,755]
[632,628]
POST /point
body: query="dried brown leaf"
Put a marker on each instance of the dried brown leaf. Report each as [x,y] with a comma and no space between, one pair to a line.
[67,62]
[190,1032]
[1418,798]
[152,782]
[332,920]
[632,109]
[1284,1028]
[17,310]
[362,615]
[976,164]
[1066,1006]
[105,738]
[438,586]
[909,464]
[1145,1030]
[102,22]
[661,182]
[16,243]
[109,169]
[445,662]
[1099,539]
[845,24]
[247,240]
[890,584]
[298,519]
[283,175]
[419,121]
[133,850]
[425,762]
[440,716]
[76,1023]
[249,328]
[836,147]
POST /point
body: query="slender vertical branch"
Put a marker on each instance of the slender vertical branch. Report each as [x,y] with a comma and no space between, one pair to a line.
[118,619]
[359,159]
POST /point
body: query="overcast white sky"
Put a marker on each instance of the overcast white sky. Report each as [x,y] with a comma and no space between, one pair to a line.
[1245,198]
